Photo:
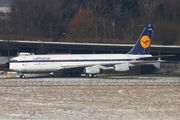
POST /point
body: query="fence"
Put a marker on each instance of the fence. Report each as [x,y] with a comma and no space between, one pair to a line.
[170,68]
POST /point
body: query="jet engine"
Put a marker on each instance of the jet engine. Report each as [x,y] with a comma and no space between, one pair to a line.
[121,67]
[91,70]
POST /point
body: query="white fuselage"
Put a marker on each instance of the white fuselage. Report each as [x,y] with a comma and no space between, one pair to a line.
[52,63]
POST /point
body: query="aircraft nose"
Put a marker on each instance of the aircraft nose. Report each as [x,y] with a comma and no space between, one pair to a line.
[6,65]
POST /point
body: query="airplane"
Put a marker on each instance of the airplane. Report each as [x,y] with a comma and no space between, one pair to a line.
[90,64]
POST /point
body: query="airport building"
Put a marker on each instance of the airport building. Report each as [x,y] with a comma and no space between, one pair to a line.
[38,47]
[41,47]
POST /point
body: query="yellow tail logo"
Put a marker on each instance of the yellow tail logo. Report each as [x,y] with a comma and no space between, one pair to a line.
[145,41]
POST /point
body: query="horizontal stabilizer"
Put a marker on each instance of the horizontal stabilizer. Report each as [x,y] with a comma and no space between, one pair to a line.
[158,56]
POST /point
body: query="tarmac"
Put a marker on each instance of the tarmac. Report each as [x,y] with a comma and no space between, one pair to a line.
[110,98]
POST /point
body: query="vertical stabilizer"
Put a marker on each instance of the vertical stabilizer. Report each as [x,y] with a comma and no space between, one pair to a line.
[143,43]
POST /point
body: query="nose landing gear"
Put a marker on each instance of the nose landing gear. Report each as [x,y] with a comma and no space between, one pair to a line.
[22,75]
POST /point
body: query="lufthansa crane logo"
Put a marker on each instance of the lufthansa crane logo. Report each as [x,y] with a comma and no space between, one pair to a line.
[145,41]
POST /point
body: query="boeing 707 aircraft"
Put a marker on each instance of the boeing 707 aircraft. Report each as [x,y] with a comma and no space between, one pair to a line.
[90,64]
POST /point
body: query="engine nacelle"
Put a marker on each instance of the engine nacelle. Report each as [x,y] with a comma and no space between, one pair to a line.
[91,70]
[121,67]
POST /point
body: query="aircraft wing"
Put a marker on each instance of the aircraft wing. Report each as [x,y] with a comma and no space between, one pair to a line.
[121,66]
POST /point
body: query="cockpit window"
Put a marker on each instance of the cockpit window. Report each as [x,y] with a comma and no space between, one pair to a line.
[12,60]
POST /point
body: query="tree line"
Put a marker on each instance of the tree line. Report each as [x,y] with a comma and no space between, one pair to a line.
[110,21]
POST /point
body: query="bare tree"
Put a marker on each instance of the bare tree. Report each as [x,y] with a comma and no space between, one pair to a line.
[149,6]
[50,18]
[99,7]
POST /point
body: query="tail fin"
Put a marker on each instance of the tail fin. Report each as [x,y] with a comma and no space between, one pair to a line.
[143,43]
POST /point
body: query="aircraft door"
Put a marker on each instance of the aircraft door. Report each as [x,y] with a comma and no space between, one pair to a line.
[24,65]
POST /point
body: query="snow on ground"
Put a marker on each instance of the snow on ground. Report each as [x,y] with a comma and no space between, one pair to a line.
[90,99]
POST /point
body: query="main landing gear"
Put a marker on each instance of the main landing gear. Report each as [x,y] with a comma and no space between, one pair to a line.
[91,75]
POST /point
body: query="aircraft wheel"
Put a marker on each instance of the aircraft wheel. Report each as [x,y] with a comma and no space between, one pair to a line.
[94,75]
[22,76]
[89,75]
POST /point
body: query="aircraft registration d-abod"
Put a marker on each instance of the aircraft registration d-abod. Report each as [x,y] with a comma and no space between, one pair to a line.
[90,64]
